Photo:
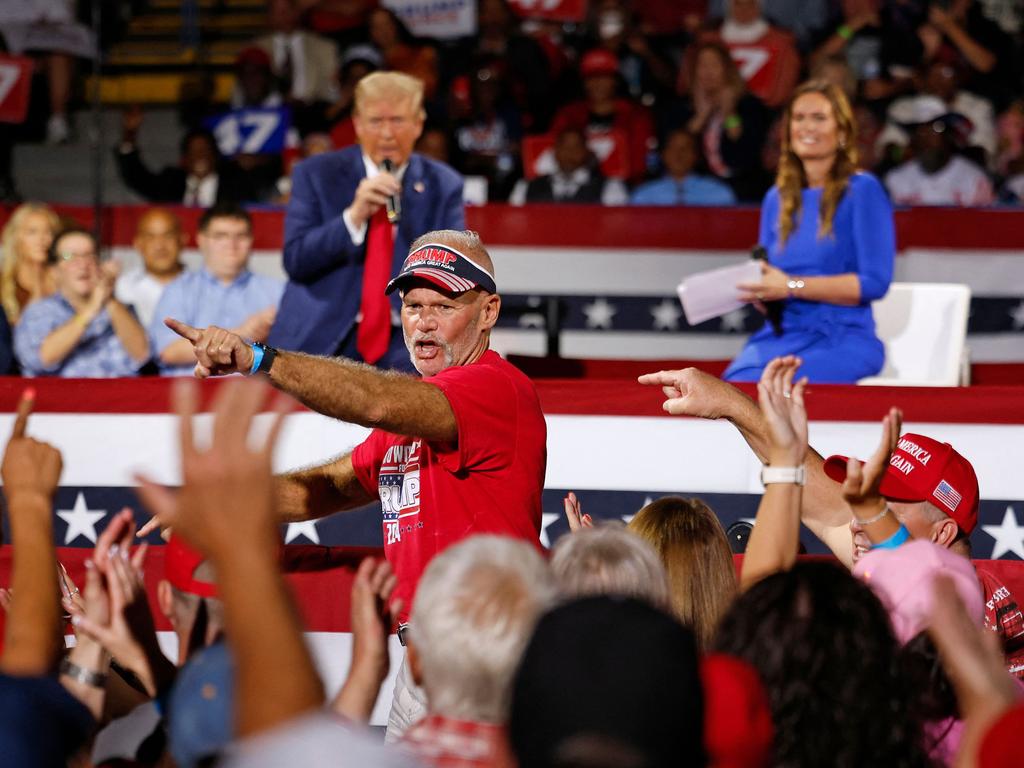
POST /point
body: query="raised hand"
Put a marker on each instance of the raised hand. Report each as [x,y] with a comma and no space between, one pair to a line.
[218,352]
[782,403]
[861,487]
[30,467]
[574,513]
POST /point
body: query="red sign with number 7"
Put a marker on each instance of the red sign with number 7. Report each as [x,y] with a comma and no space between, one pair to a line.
[15,81]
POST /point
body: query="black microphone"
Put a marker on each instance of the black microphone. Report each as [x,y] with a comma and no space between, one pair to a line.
[394,203]
[773,309]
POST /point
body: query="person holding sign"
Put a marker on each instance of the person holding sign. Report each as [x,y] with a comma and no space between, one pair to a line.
[830,239]
[340,248]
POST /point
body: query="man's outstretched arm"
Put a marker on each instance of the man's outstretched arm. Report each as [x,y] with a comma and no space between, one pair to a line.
[692,392]
[335,387]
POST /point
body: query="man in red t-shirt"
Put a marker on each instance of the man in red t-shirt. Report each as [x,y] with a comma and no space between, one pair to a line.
[458,452]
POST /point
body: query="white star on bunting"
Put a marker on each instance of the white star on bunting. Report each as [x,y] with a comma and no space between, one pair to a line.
[733,321]
[1017,313]
[81,520]
[666,315]
[1009,536]
[306,528]
[599,314]
[547,518]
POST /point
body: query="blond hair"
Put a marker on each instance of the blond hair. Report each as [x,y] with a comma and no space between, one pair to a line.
[390,85]
[791,178]
[692,546]
[11,258]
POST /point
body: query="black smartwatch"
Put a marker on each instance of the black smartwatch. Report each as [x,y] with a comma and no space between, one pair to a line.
[262,358]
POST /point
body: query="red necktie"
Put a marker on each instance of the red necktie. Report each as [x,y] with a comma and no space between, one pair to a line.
[374,331]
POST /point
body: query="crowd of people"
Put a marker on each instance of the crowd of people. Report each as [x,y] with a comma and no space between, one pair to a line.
[624,646]
[935,89]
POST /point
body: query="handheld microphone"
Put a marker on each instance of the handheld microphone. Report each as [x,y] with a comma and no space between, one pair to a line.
[773,309]
[394,203]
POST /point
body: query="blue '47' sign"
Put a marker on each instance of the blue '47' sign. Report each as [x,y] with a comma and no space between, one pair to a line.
[251,131]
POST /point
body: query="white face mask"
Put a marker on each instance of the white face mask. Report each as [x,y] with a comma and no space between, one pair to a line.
[610,24]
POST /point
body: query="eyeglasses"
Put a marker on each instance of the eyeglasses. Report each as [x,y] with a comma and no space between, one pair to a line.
[223,237]
[69,255]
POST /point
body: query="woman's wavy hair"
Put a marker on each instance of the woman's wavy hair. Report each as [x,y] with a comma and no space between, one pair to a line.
[791,178]
[690,541]
[823,646]
[8,242]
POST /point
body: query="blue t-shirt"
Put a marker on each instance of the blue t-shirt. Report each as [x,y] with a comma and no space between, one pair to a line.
[200,299]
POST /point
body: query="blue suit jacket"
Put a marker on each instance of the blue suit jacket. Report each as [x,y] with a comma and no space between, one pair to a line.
[325,269]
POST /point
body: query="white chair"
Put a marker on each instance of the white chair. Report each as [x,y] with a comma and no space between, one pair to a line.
[924,329]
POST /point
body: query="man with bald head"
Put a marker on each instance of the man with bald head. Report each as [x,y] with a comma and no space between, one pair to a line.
[159,241]
[457,452]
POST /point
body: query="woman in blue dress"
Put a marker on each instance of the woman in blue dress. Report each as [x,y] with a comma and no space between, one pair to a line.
[829,233]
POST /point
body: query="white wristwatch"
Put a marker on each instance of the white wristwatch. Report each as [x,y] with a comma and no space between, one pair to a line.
[795,475]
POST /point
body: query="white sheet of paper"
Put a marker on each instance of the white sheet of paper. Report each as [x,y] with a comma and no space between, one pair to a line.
[713,293]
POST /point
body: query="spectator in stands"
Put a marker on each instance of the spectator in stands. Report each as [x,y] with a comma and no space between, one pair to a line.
[939,80]
[689,539]
[26,274]
[805,20]
[730,122]
[527,68]
[255,84]
[81,330]
[433,143]
[358,62]
[224,292]
[958,33]
[202,178]
[609,560]
[578,179]
[765,55]
[680,185]
[401,51]
[475,609]
[647,74]
[159,241]
[487,142]
[604,111]
[608,681]
[304,63]
[935,174]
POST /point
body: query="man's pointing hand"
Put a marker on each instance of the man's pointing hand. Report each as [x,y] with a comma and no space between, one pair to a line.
[218,351]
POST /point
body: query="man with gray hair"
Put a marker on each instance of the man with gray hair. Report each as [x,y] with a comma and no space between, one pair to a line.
[475,609]
[459,452]
[350,219]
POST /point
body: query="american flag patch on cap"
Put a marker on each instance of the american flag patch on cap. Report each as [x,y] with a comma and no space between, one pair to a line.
[947,494]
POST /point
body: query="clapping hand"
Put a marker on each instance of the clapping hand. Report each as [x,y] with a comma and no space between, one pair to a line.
[782,403]
[574,513]
[861,487]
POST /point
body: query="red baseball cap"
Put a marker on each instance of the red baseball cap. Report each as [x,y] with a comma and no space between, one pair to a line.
[599,62]
[180,563]
[738,730]
[923,469]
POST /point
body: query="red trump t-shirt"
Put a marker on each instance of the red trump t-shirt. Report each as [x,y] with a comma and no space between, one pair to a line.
[489,481]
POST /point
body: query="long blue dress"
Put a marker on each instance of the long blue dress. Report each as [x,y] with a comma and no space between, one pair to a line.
[838,344]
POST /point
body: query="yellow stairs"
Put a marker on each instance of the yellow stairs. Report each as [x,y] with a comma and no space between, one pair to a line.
[150,64]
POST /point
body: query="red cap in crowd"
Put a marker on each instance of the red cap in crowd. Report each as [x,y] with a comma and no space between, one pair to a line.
[180,563]
[738,730]
[923,469]
[599,62]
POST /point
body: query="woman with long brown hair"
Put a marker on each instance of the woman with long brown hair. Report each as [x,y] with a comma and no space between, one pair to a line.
[830,240]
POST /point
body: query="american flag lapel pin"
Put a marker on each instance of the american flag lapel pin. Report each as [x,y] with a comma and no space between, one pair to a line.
[419,186]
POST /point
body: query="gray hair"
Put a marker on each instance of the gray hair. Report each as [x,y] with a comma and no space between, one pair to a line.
[474,611]
[609,560]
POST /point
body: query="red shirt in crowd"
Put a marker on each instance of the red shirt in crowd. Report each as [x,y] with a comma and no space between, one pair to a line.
[1004,616]
[769,65]
[489,482]
[632,119]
